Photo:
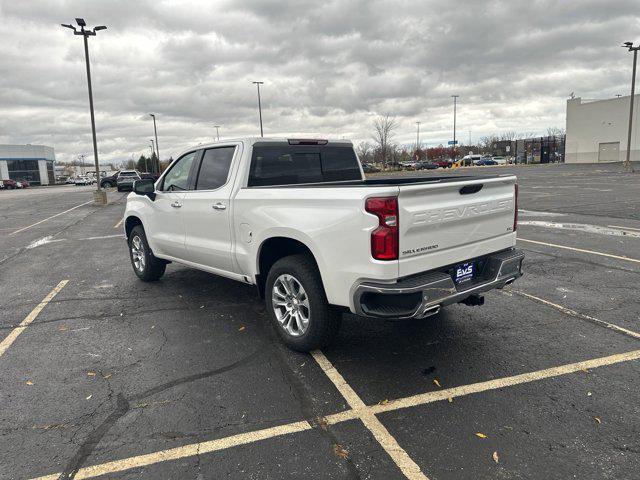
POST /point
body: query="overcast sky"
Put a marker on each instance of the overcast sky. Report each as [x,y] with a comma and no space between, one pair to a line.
[329,68]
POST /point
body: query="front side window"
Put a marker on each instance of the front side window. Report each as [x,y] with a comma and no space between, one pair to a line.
[178,176]
[214,168]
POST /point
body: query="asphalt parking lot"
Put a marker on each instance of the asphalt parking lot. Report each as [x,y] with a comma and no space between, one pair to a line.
[102,375]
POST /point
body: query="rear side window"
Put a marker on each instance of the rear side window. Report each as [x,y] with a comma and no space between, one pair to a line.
[214,168]
[293,164]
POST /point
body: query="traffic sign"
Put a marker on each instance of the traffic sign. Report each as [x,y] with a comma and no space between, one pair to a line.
[453,142]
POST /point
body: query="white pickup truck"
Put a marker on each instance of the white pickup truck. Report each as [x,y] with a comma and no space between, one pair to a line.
[298,219]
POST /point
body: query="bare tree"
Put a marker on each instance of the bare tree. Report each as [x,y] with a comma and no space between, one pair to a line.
[488,141]
[555,132]
[384,128]
[364,152]
[508,135]
[524,135]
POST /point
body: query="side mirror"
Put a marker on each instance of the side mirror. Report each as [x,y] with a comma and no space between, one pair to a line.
[145,187]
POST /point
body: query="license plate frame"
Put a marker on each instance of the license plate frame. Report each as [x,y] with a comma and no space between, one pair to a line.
[464,272]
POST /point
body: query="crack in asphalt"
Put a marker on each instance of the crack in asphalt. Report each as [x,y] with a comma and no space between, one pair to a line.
[124,405]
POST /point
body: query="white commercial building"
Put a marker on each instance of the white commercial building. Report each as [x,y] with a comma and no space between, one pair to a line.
[33,163]
[597,130]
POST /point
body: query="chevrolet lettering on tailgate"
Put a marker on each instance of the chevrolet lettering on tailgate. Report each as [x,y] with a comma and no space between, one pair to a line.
[439,215]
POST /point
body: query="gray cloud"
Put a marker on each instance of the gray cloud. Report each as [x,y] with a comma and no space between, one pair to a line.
[328,68]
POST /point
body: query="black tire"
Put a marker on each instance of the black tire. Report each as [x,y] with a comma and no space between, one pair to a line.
[323,320]
[119,189]
[151,268]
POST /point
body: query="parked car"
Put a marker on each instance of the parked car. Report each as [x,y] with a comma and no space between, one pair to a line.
[409,165]
[442,163]
[81,180]
[486,161]
[500,160]
[298,219]
[370,168]
[469,160]
[23,184]
[125,179]
[426,166]
[10,184]
[109,181]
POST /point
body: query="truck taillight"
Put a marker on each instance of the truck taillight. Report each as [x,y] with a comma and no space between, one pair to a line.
[384,239]
[515,212]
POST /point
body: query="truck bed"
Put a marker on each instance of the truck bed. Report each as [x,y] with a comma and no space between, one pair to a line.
[390,182]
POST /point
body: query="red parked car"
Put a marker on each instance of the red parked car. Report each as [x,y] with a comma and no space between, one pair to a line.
[442,163]
[24,184]
[9,184]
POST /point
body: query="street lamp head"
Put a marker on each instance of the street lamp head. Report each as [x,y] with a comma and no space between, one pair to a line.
[100,27]
[152,115]
[258,83]
[81,22]
[68,26]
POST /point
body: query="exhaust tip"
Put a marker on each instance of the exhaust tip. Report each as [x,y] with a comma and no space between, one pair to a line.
[431,311]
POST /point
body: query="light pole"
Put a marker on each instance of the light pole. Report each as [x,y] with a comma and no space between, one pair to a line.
[153,150]
[455,103]
[418,136]
[100,197]
[259,106]
[217,132]
[631,48]
[155,131]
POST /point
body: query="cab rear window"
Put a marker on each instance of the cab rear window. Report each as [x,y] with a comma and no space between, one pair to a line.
[296,164]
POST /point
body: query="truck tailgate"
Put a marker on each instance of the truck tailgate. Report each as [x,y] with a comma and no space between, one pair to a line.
[448,222]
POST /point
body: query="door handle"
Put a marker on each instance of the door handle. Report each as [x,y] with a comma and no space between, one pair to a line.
[176,205]
[219,206]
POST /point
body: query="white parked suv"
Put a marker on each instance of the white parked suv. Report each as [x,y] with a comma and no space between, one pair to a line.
[297,219]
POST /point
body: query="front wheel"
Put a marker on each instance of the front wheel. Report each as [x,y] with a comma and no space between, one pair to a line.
[145,264]
[298,306]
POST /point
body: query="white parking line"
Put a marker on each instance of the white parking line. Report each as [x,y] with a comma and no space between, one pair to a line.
[575,314]
[583,227]
[102,237]
[582,250]
[407,466]
[625,228]
[49,218]
[119,223]
[415,400]
[424,398]
[8,341]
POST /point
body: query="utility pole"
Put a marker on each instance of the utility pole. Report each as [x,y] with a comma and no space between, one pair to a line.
[418,136]
[217,132]
[153,150]
[455,102]
[631,48]
[259,106]
[156,166]
[100,197]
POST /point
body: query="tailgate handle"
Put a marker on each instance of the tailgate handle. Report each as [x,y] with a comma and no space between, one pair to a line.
[469,189]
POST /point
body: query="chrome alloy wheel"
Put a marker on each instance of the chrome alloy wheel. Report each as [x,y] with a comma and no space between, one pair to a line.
[291,305]
[137,253]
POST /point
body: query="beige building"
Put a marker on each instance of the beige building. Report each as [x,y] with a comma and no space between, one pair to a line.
[597,130]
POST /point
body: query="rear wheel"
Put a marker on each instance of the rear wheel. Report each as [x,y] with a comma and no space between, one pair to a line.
[146,266]
[298,306]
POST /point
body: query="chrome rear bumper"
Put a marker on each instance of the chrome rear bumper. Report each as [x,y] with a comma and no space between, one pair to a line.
[422,295]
